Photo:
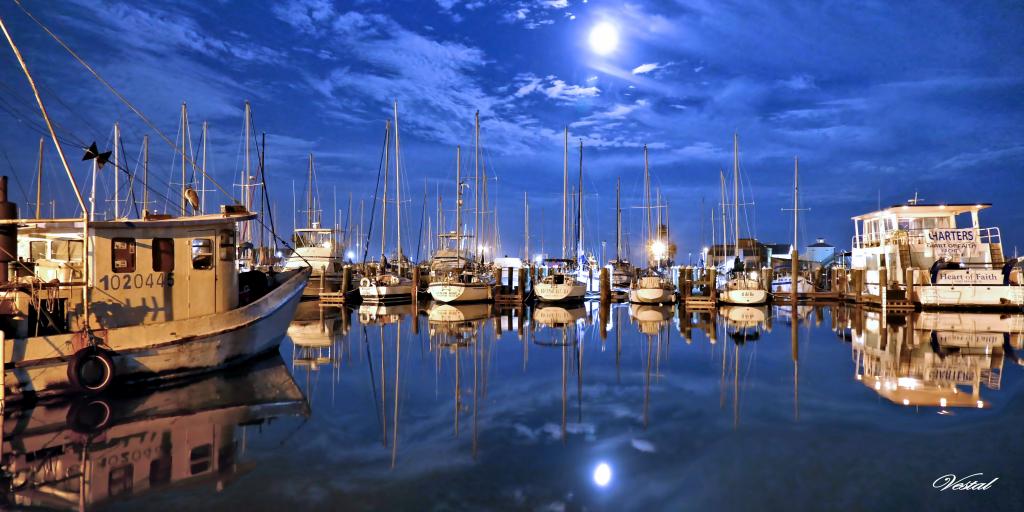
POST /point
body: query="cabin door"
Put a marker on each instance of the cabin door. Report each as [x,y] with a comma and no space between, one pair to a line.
[202,273]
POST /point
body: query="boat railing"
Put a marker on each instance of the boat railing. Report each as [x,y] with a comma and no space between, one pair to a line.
[990,235]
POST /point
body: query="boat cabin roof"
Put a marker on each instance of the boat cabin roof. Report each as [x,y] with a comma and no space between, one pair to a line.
[924,210]
[69,226]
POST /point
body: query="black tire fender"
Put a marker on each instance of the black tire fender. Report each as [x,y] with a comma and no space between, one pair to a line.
[91,370]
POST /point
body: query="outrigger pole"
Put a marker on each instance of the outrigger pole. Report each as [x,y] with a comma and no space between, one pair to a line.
[64,163]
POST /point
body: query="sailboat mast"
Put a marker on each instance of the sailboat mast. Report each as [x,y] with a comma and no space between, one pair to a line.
[725,232]
[736,189]
[526,227]
[794,253]
[458,202]
[202,191]
[184,129]
[618,219]
[398,193]
[579,209]
[39,178]
[309,193]
[117,170]
[145,173]
[648,234]
[476,183]
[565,191]
[246,193]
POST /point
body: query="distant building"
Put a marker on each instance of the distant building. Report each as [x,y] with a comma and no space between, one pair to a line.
[819,251]
[753,253]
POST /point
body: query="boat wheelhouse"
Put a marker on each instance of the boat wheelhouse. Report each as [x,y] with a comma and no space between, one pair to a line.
[945,263]
[316,247]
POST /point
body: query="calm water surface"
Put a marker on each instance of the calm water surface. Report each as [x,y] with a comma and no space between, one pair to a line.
[470,408]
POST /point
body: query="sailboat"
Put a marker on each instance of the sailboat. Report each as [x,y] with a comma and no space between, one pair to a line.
[315,245]
[155,297]
[453,277]
[561,284]
[782,283]
[738,286]
[389,285]
[621,269]
[651,286]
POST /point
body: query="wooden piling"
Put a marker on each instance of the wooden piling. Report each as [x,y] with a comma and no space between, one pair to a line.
[606,286]
[346,279]
[713,283]
[910,284]
[521,282]
[414,294]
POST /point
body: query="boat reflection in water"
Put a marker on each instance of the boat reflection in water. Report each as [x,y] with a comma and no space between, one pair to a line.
[315,333]
[558,316]
[745,323]
[932,359]
[87,452]
[381,314]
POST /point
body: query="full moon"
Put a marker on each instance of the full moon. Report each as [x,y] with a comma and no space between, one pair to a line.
[602,474]
[604,37]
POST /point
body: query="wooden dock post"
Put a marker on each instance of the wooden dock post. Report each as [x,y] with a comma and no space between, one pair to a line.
[606,286]
[858,285]
[414,294]
[883,285]
[604,310]
[713,283]
[910,284]
[346,279]
[681,283]
[590,279]
[521,282]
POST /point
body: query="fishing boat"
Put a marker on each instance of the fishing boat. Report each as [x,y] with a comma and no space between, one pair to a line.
[148,299]
[949,264]
[737,285]
[389,284]
[316,247]
[563,282]
[652,286]
[454,278]
[85,454]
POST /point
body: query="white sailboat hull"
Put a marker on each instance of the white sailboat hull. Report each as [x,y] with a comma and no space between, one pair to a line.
[651,296]
[378,294]
[38,366]
[561,292]
[460,292]
[744,296]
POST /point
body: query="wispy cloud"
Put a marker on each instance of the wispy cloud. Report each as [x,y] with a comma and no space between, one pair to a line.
[646,68]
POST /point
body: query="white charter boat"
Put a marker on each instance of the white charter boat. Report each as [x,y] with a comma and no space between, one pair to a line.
[949,265]
[316,247]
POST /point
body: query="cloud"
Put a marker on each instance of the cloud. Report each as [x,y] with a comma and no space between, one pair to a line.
[798,82]
[646,68]
[554,88]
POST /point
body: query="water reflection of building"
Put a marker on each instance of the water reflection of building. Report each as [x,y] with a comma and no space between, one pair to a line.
[79,455]
[931,358]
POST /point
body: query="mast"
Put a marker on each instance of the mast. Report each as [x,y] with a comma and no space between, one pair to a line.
[92,193]
[618,220]
[579,211]
[736,189]
[202,191]
[794,253]
[145,173]
[526,227]
[309,194]
[39,178]
[725,233]
[476,184]
[648,234]
[565,189]
[398,193]
[184,128]
[117,170]
[458,202]
[246,192]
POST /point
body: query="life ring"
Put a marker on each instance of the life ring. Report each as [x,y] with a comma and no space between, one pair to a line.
[91,370]
[90,415]
[365,282]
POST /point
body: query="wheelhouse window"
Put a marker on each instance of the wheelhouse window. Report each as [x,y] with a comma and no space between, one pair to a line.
[37,250]
[200,459]
[67,250]
[163,254]
[202,253]
[227,245]
[122,251]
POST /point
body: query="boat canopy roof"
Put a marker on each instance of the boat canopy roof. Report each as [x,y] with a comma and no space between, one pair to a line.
[69,225]
[924,210]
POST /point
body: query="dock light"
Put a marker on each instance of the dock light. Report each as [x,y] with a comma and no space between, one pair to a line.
[350,255]
[981,405]
[327,245]
[537,259]
[753,275]
[942,402]
[659,250]
[602,474]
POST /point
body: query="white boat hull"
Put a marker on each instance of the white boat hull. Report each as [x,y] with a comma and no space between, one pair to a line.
[561,292]
[392,294]
[460,292]
[38,367]
[784,285]
[744,296]
[967,296]
[651,296]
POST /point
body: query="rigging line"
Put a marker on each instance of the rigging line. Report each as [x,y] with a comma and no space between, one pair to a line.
[36,126]
[15,174]
[114,91]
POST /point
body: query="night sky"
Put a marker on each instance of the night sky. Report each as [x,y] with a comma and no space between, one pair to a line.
[880,100]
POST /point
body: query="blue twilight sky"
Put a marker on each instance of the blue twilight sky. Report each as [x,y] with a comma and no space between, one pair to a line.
[878,99]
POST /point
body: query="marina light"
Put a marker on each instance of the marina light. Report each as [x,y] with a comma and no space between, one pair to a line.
[602,474]
[942,402]
[906,401]
[537,259]
[350,255]
[981,405]
[659,250]
[604,38]
[753,275]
